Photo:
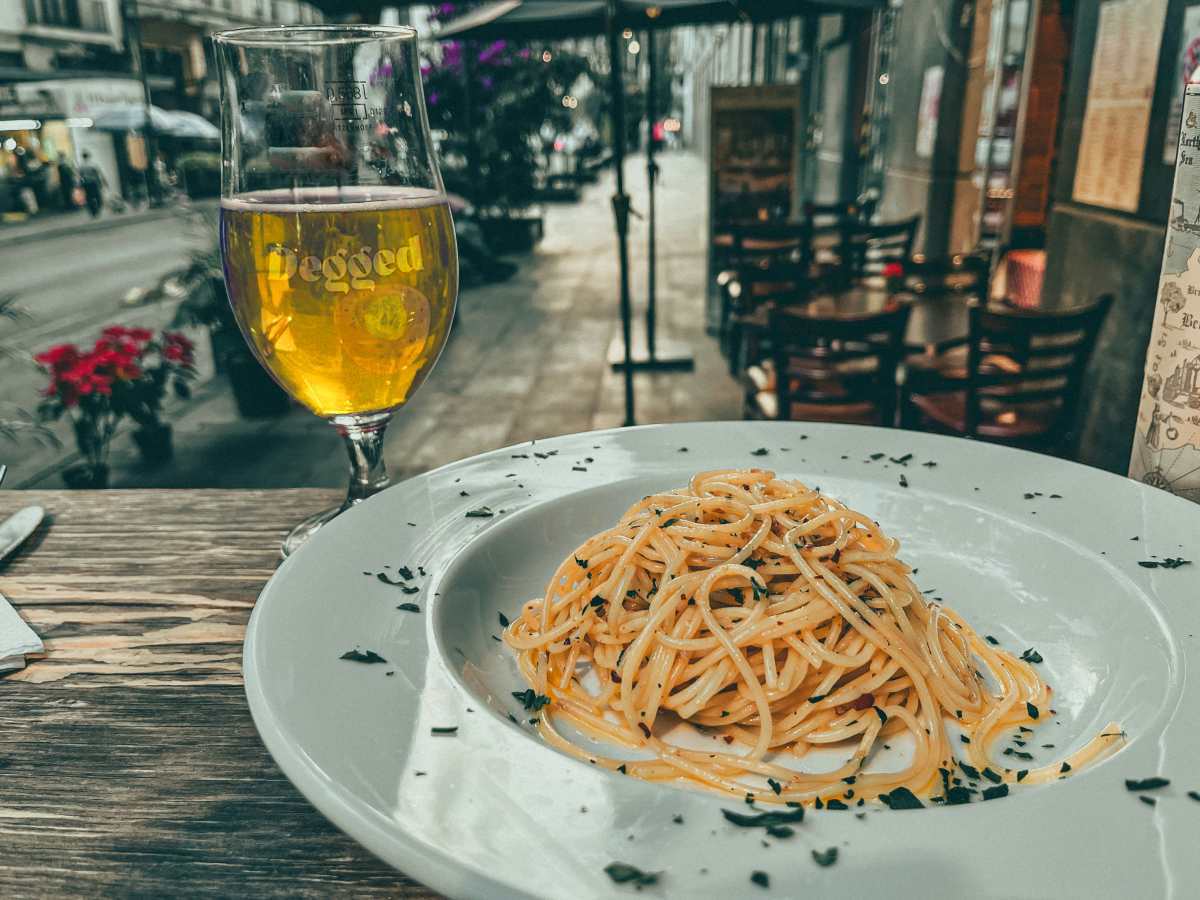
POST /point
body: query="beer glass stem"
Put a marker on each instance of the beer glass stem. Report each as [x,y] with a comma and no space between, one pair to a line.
[364,444]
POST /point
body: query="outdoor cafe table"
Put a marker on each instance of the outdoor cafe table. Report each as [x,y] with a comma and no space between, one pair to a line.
[128,760]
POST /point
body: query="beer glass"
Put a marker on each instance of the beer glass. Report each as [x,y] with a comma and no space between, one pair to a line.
[336,236]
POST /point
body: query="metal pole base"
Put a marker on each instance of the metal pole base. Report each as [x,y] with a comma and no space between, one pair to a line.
[669,355]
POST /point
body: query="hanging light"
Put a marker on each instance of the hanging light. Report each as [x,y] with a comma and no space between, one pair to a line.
[547,56]
[627,33]
[883,79]
[634,47]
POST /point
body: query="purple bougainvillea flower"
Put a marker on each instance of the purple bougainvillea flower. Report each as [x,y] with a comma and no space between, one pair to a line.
[488,82]
[492,51]
[432,99]
[524,53]
[452,54]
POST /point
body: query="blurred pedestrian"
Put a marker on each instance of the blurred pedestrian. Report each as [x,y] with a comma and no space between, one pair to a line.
[94,183]
[66,182]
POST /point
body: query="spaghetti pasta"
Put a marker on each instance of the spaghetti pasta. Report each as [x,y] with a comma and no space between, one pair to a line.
[776,620]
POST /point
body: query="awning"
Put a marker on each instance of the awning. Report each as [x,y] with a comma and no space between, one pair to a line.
[170,123]
[556,19]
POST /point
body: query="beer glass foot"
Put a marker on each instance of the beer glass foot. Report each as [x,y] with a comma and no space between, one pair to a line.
[363,436]
[302,532]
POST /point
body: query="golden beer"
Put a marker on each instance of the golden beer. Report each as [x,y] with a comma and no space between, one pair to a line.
[346,297]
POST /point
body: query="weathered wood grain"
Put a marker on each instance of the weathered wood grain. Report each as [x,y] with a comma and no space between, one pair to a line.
[129,765]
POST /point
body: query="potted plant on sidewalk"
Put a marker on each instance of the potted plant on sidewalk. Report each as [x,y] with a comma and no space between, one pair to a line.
[205,304]
[126,373]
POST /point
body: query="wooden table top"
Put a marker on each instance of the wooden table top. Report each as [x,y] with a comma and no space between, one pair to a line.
[128,760]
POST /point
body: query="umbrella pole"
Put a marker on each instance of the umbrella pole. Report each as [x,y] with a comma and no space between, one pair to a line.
[652,177]
[620,200]
[653,355]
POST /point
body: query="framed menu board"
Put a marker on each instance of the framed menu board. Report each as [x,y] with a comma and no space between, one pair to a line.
[754,153]
[754,157]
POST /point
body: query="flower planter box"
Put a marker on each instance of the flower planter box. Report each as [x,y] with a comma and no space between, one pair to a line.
[154,443]
[512,234]
[256,393]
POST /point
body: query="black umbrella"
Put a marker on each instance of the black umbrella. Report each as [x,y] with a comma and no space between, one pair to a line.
[557,19]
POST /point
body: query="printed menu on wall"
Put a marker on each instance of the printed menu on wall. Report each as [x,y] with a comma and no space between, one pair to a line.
[1166,442]
[1112,147]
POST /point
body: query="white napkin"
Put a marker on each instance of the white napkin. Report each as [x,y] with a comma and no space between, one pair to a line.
[16,638]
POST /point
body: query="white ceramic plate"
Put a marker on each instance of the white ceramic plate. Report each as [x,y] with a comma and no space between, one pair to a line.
[493,812]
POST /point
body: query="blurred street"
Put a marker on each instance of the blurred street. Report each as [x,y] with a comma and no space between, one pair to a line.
[526,359]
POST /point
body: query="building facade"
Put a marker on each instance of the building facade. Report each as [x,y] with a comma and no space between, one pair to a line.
[65,63]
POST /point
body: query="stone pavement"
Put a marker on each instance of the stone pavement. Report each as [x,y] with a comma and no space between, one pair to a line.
[526,359]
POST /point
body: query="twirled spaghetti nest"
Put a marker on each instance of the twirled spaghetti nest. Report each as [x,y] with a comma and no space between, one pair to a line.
[777,620]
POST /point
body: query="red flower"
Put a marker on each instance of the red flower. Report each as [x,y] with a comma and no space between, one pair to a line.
[177,348]
[58,357]
[893,270]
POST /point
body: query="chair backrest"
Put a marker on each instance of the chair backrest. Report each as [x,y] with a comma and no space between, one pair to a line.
[771,243]
[1029,362]
[782,283]
[831,216]
[839,361]
[964,274]
[867,249]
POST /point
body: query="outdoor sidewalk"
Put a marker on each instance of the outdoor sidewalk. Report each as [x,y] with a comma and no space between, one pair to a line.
[58,224]
[526,359]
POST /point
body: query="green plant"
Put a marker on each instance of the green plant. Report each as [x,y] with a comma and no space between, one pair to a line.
[16,423]
[493,100]
[202,304]
[200,172]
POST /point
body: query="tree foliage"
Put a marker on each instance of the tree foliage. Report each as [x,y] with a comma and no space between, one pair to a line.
[493,100]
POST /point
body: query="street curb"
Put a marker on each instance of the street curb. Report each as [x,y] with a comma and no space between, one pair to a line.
[112,221]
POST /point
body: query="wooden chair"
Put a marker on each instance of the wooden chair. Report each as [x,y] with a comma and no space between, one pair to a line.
[747,295]
[963,274]
[771,243]
[1018,382]
[759,245]
[827,223]
[866,250]
[831,216]
[838,369]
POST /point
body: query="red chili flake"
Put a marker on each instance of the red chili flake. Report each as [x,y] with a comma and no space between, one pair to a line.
[645,728]
[616,678]
[728,738]
[865,701]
